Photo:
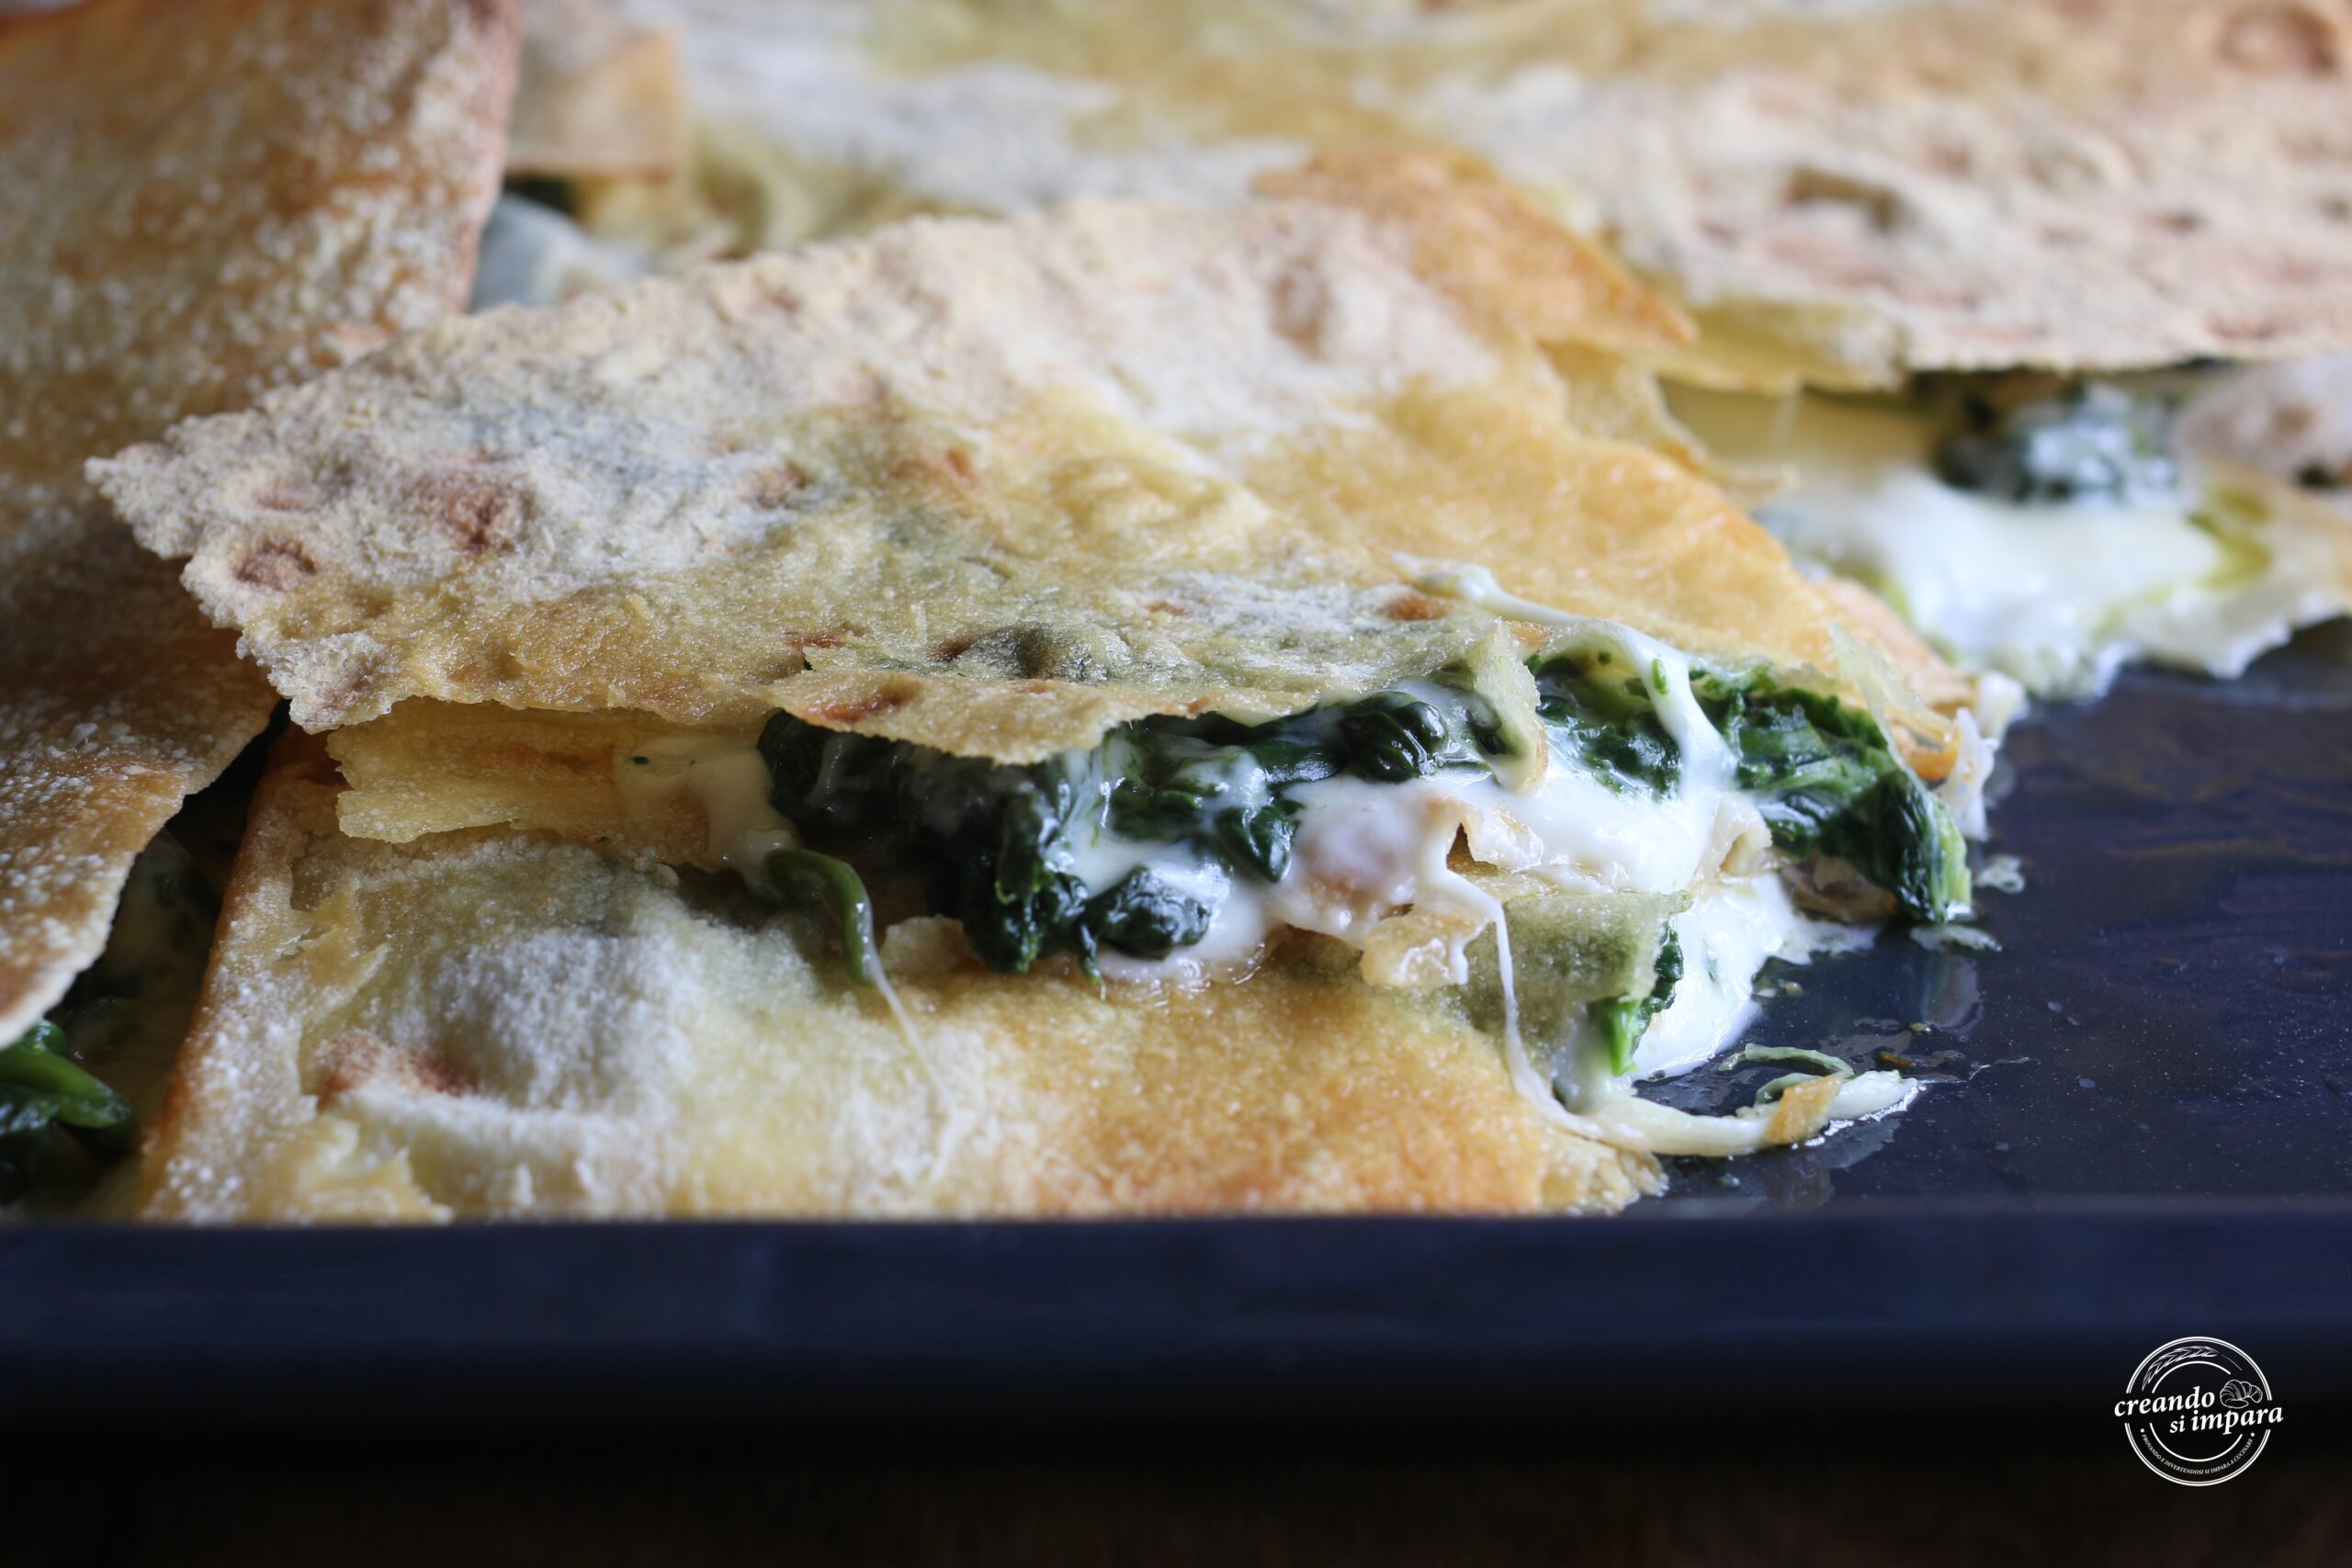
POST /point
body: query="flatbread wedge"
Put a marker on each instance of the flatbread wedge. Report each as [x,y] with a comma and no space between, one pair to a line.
[486,1023]
[1126,632]
[1842,199]
[1844,194]
[844,479]
[197,200]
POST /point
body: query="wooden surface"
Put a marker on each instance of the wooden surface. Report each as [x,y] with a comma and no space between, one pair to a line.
[652,1498]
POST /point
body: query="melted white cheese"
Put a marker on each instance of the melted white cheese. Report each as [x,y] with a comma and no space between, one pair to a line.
[728,779]
[1703,750]
[2059,597]
[1364,852]
[1367,852]
[1610,1110]
[1729,931]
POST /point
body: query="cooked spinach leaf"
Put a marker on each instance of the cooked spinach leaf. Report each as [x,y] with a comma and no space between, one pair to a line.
[1005,842]
[1196,803]
[1623,1021]
[2090,442]
[835,882]
[1608,721]
[1395,735]
[41,1087]
[1149,916]
[1826,781]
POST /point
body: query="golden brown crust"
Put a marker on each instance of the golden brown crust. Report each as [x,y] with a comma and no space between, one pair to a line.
[597,95]
[1840,192]
[436,767]
[206,200]
[495,1023]
[1981,186]
[199,199]
[116,700]
[1484,242]
[990,487]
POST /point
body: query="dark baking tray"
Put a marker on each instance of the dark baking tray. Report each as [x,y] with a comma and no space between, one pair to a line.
[2147,1132]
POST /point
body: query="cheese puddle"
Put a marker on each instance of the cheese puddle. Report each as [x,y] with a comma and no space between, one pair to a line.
[2058,597]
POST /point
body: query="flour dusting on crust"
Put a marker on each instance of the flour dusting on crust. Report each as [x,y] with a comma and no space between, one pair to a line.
[990,486]
[1846,191]
[201,199]
[483,1025]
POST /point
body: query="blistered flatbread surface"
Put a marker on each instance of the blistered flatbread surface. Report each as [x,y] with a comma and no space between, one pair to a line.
[480,1025]
[197,200]
[1844,192]
[992,486]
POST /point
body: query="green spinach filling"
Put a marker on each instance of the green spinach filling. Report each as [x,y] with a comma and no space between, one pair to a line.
[1603,717]
[2089,442]
[1827,783]
[1203,803]
[41,1087]
[1622,1020]
[1213,797]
